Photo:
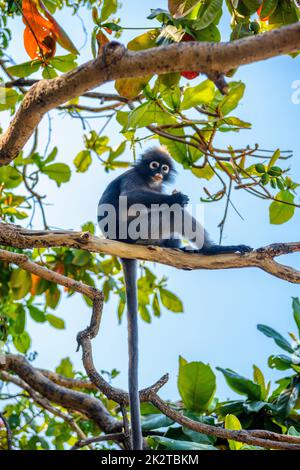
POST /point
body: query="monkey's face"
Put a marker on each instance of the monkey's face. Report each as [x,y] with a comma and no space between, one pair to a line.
[158,172]
[156,168]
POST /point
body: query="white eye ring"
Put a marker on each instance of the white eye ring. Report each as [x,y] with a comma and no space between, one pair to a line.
[154,165]
[165,168]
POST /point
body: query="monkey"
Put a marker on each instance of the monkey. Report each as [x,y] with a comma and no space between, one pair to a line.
[141,190]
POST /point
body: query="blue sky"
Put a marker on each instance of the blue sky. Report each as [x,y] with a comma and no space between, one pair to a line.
[222,308]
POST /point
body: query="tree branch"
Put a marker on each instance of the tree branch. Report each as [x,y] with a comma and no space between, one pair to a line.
[69,399]
[23,262]
[117,62]
[8,431]
[262,258]
[44,403]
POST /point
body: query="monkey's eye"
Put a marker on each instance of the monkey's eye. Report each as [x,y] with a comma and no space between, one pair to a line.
[154,165]
[165,168]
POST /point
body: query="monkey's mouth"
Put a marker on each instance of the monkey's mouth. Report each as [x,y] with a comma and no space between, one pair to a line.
[158,177]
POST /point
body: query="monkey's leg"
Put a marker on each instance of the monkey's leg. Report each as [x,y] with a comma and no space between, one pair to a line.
[192,230]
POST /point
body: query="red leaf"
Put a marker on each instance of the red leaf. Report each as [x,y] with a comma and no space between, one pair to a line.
[189,74]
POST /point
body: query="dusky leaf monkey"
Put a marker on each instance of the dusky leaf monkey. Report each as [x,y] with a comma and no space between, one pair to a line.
[143,213]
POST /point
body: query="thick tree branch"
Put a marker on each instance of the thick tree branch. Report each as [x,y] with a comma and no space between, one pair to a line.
[69,399]
[44,403]
[117,62]
[262,258]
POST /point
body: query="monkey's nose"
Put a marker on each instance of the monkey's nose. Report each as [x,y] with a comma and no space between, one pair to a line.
[158,177]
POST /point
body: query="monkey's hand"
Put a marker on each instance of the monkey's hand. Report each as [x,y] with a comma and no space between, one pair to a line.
[179,198]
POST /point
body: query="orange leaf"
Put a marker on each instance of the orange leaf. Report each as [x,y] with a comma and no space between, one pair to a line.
[101,39]
[34,282]
[62,37]
[39,35]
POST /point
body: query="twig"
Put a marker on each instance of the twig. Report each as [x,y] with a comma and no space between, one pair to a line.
[8,431]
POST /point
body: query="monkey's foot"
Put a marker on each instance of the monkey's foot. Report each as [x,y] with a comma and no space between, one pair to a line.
[219,250]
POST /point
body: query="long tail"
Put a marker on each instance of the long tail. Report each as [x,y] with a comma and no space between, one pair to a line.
[130,274]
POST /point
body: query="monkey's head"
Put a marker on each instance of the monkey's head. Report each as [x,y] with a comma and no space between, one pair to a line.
[156,166]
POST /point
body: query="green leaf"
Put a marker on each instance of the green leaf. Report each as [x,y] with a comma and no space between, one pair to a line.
[206,172]
[25,69]
[240,384]
[10,177]
[268,7]
[155,421]
[178,150]
[52,296]
[196,385]
[200,94]
[280,362]
[49,72]
[199,437]
[181,8]
[274,158]
[20,320]
[232,99]
[277,337]
[259,379]
[81,258]
[20,282]
[232,422]
[296,311]
[36,314]
[132,86]
[144,41]
[208,13]
[170,301]
[144,312]
[55,321]
[288,398]
[172,444]
[109,8]
[65,368]
[59,172]
[82,161]
[252,5]
[148,113]
[64,63]
[293,432]
[8,98]
[88,227]
[279,212]
[22,342]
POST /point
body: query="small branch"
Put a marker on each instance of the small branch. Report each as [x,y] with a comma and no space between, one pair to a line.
[8,431]
[84,341]
[117,437]
[262,258]
[241,436]
[67,383]
[23,262]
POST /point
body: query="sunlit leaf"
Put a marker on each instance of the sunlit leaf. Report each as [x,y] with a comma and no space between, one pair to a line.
[232,422]
[196,385]
[281,212]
